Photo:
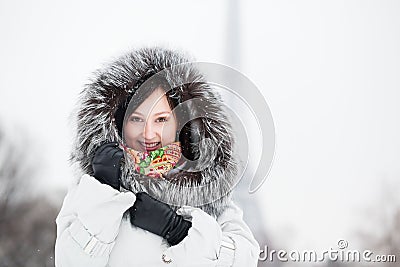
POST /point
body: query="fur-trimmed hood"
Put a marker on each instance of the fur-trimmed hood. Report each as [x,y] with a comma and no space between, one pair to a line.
[207,139]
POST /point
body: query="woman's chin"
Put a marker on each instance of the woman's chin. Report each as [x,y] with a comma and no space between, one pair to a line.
[153,148]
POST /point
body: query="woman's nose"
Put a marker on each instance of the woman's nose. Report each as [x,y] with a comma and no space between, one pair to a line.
[149,131]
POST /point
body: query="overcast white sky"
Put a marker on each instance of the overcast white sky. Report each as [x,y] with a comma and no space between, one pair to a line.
[328,69]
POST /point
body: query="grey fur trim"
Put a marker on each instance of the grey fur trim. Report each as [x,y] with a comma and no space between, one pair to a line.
[208,189]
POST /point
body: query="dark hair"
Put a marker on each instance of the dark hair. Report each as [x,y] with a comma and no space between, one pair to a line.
[141,91]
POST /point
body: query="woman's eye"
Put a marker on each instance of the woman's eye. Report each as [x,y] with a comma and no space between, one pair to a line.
[162,119]
[136,119]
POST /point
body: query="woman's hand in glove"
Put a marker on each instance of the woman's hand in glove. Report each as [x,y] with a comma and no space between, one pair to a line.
[158,218]
[203,243]
[106,164]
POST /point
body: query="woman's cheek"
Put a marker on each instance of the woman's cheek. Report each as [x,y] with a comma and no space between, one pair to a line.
[129,135]
[169,133]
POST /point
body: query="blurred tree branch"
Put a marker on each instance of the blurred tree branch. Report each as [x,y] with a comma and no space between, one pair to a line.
[27,228]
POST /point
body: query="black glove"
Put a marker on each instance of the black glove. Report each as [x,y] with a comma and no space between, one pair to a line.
[106,164]
[158,218]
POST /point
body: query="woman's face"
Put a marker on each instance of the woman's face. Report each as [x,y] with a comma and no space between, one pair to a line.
[152,125]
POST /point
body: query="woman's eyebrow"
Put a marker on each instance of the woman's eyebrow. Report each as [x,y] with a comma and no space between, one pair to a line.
[162,112]
[157,114]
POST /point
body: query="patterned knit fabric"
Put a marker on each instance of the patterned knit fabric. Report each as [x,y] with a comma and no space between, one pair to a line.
[157,162]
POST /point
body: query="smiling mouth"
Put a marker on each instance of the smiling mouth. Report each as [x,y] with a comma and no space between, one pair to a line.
[149,146]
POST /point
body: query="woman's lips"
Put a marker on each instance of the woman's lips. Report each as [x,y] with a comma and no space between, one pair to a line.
[150,146]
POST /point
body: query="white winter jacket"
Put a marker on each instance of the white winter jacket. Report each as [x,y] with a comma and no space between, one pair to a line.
[91,227]
[92,231]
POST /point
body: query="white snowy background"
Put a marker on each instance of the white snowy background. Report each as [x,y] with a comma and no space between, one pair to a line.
[329,71]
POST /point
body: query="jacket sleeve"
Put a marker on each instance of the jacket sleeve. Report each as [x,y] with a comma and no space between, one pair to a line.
[88,223]
[224,242]
[238,246]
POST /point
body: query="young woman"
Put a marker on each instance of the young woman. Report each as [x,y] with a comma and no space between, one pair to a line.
[156,168]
